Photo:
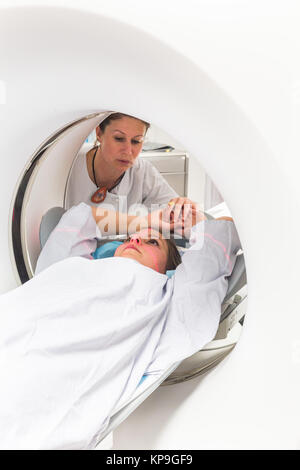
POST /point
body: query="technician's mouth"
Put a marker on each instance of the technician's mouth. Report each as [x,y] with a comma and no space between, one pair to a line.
[125,162]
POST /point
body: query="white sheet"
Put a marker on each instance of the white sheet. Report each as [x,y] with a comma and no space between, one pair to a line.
[78,337]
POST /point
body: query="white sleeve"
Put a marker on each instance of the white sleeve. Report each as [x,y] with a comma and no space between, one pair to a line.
[74,235]
[214,246]
[199,287]
[156,189]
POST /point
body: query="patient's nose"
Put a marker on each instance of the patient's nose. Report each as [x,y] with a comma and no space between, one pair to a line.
[136,239]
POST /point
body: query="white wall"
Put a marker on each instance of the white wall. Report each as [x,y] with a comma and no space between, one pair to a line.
[196,175]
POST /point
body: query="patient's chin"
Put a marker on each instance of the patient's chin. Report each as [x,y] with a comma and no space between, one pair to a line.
[135,256]
[128,254]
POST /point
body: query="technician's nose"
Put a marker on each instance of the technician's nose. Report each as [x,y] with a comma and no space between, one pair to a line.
[127,148]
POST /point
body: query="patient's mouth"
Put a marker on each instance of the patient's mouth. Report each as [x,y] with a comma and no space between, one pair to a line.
[132,247]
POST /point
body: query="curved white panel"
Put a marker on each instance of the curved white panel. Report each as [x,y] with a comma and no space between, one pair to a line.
[60,65]
[48,190]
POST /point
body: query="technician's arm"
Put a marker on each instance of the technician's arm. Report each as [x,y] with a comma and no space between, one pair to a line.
[112,223]
[77,232]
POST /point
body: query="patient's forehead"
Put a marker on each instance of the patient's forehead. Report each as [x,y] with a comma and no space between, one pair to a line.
[149,233]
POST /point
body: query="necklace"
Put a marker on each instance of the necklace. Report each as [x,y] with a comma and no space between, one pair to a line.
[100,194]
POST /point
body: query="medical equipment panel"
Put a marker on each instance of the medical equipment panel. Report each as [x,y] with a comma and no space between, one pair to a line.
[173,166]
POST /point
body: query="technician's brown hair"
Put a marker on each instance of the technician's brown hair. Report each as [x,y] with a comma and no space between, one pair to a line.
[174,258]
[116,116]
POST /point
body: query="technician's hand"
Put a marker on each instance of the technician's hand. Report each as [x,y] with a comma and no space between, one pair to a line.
[183,213]
[230,219]
[161,220]
[164,220]
[181,205]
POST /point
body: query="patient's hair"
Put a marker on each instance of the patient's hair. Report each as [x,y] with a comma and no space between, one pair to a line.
[174,258]
[116,116]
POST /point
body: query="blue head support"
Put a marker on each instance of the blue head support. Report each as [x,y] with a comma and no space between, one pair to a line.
[107,250]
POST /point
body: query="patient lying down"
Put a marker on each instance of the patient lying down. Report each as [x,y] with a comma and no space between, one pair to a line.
[76,339]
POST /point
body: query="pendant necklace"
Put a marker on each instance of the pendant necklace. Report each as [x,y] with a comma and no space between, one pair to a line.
[100,194]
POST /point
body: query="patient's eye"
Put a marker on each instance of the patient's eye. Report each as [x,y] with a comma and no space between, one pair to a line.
[152,241]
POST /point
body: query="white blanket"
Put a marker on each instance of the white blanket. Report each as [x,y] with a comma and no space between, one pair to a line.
[77,338]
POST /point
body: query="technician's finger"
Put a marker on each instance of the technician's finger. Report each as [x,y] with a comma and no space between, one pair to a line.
[168,213]
[187,211]
[178,208]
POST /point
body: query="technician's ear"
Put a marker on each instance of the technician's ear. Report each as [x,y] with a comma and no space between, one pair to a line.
[99,134]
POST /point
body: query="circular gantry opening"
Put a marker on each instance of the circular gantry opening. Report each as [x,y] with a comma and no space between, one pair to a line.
[47,182]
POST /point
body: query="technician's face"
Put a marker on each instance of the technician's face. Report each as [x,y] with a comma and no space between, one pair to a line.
[148,248]
[121,142]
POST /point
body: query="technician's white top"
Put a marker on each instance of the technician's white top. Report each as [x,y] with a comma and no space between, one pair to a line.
[141,184]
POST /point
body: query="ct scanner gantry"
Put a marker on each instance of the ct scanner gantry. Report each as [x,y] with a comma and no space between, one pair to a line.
[54,72]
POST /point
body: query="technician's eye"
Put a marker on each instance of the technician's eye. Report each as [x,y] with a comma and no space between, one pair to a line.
[152,241]
[135,142]
[119,139]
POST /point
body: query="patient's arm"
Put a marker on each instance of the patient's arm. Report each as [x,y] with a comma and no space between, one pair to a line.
[75,235]
[199,287]
[201,279]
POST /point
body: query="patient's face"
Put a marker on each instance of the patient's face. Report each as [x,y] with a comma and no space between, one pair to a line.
[148,248]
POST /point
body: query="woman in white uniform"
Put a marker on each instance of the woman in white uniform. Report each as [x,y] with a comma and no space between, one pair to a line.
[112,176]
